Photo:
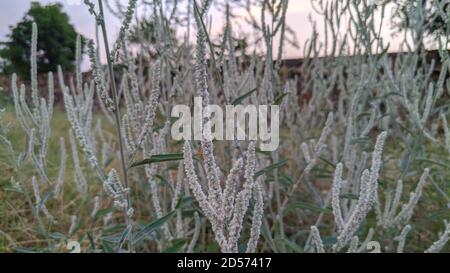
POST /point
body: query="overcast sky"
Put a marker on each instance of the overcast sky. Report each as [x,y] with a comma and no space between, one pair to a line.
[299,10]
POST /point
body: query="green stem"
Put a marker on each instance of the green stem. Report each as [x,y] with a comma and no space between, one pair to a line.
[116,117]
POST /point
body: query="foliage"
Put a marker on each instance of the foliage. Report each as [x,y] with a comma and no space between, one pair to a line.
[432,11]
[56,45]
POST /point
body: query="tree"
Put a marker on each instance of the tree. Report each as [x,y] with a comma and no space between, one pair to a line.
[433,15]
[55,46]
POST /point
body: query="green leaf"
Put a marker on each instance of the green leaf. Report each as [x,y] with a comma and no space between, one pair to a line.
[103,212]
[265,232]
[266,153]
[294,247]
[91,239]
[12,189]
[309,206]
[57,236]
[392,94]
[240,99]
[271,167]
[109,161]
[158,159]
[112,239]
[124,236]
[44,199]
[113,229]
[349,196]
[150,228]
[212,247]
[184,201]
[362,115]
[328,162]
[280,98]
[433,162]
[189,213]
[177,246]
[164,182]
[107,247]
[405,160]
[25,250]
[287,179]
[328,241]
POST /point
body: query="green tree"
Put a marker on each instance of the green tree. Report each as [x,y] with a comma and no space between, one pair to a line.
[56,41]
[434,13]
[145,33]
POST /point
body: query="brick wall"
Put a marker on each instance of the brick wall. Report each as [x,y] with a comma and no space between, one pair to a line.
[5,83]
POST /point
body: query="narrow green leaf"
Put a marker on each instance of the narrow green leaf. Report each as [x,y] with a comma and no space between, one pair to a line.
[280,98]
[349,196]
[433,162]
[12,189]
[266,153]
[124,236]
[271,167]
[164,182]
[113,229]
[184,201]
[177,246]
[91,239]
[158,159]
[294,247]
[112,239]
[25,250]
[328,162]
[57,236]
[107,247]
[103,212]
[44,199]
[265,232]
[363,115]
[309,206]
[240,99]
[148,229]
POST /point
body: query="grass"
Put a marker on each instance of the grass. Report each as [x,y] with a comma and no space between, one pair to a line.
[16,224]
[14,211]
[411,147]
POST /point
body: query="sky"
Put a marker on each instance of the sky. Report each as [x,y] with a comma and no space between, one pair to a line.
[297,17]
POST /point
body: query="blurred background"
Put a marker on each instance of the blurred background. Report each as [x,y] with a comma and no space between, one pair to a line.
[300,16]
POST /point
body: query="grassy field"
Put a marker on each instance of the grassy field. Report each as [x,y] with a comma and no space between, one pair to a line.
[18,226]
[362,159]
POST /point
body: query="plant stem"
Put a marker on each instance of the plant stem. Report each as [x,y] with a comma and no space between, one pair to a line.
[116,118]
